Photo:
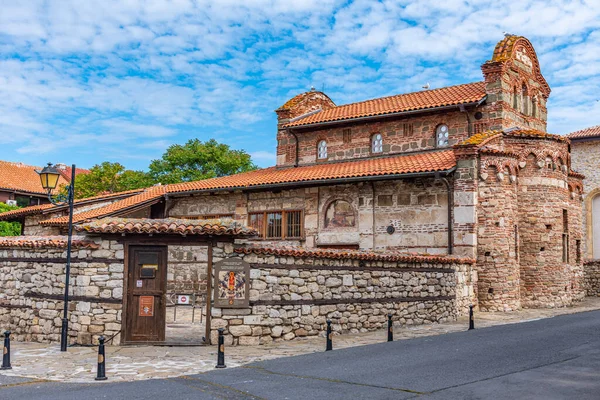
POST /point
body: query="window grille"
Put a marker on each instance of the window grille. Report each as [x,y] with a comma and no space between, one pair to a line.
[322,150]
[441,134]
[376,143]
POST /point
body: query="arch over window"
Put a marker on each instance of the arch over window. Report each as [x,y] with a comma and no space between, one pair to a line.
[340,214]
[322,150]
[376,143]
[441,135]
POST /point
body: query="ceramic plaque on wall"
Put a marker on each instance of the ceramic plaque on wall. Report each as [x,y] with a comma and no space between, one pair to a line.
[232,283]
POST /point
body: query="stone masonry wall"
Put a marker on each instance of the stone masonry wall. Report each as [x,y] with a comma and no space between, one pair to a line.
[33,286]
[591,270]
[416,208]
[585,158]
[294,296]
[399,136]
[187,272]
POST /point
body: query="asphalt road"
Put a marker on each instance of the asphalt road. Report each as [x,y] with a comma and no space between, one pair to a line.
[555,358]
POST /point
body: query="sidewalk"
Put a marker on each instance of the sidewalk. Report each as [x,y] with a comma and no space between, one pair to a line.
[78,364]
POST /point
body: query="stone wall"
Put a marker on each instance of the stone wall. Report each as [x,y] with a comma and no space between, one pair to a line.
[33,287]
[585,158]
[399,135]
[417,209]
[293,296]
[591,269]
[187,271]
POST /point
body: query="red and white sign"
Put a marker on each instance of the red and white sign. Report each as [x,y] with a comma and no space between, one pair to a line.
[183,299]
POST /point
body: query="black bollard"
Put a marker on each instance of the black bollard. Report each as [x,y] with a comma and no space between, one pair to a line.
[390,329]
[329,337]
[101,376]
[471,322]
[221,353]
[6,354]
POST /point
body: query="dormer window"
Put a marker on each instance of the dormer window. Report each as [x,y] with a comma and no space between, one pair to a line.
[376,143]
[322,150]
[441,135]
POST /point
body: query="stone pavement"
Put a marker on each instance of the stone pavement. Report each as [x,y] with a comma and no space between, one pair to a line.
[128,363]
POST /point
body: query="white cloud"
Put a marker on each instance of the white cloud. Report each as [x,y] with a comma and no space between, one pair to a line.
[140,74]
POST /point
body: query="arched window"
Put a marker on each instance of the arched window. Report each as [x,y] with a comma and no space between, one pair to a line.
[322,150]
[441,135]
[524,100]
[534,106]
[376,143]
[515,99]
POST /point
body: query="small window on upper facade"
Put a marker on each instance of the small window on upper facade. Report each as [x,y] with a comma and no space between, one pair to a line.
[441,135]
[322,150]
[376,143]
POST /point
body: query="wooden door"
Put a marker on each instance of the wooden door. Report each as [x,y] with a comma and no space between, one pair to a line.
[146,294]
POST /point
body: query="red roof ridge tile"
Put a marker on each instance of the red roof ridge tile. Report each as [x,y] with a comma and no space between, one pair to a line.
[585,133]
[57,242]
[354,255]
[184,227]
[41,208]
[418,100]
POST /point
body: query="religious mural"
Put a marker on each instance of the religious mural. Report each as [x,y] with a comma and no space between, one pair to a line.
[340,214]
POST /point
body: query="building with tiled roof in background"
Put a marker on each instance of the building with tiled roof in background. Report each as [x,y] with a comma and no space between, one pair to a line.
[462,171]
[585,154]
[20,184]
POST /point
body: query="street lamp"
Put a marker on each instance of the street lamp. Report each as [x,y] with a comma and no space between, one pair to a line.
[49,177]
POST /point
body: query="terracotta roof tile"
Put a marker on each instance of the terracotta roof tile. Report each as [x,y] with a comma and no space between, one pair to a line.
[147,197]
[172,226]
[504,48]
[49,208]
[591,132]
[354,255]
[480,139]
[396,165]
[452,95]
[66,172]
[22,178]
[56,242]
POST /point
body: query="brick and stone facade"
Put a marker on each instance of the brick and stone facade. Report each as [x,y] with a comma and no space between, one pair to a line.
[494,218]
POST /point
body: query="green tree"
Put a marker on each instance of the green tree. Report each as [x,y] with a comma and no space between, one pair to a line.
[9,228]
[197,160]
[109,178]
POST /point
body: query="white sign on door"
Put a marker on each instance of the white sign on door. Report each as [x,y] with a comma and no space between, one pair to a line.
[183,299]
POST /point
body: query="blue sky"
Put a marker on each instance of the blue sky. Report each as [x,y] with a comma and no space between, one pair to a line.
[90,81]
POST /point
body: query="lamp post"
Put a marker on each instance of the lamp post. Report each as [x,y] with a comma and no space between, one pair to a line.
[49,177]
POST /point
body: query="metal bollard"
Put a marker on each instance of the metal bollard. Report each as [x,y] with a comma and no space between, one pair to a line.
[329,337]
[390,329]
[6,353]
[101,376]
[471,322]
[221,353]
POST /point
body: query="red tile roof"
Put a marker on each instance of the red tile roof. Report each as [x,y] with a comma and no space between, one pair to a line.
[354,255]
[66,172]
[591,132]
[395,165]
[147,197]
[184,227]
[56,242]
[480,139]
[434,161]
[49,208]
[426,99]
[19,177]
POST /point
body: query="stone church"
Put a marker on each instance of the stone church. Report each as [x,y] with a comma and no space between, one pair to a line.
[462,172]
